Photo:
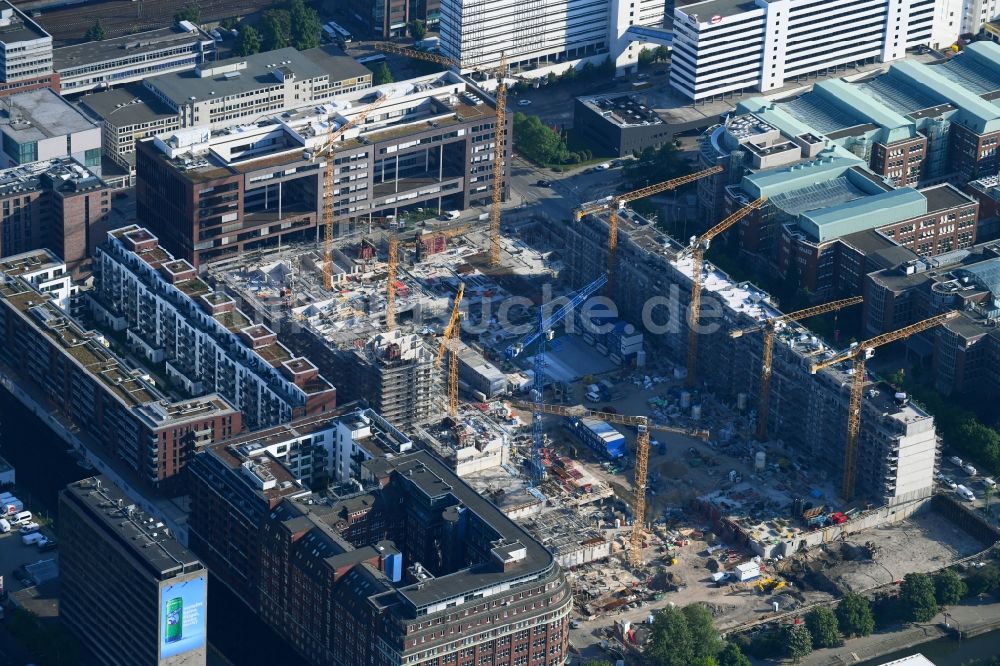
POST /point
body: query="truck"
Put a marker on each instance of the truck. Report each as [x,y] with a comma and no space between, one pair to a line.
[965,493]
[11,506]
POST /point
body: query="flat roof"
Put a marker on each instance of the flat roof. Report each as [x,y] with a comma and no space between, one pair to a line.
[21,28]
[145,537]
[41,114]
[259,73]
[709,8]
[339,66]
[116,48]
[945,196]
[130,104]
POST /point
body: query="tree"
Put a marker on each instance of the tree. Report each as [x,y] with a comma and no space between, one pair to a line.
[987,499]
[248,41]
[670,639]
[949,588]
[418,30]
[537,141]
[276,29]
[607,68]
[798,641]
[654,165]
[704,638]
[95,33]
[189,12]
[304,23]
[662,53]
[646,57]
[984,580]
[382,75]
[854,615]
[732,655]
[917,596]
[822,625]
[597,662]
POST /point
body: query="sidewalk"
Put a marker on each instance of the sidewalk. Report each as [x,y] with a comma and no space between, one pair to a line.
[968,616]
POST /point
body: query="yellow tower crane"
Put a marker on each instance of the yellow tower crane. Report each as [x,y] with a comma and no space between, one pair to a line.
[642,425]
[390,291]
[614,203]
[859,354]
[448,338]
[499,131]
[328,151]
[770,327]
[697,253]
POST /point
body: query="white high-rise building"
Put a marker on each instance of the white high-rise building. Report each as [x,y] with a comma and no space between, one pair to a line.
[723,46]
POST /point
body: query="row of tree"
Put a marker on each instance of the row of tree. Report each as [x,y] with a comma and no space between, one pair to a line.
[541,144]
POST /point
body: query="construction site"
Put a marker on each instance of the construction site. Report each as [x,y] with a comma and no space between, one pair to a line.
[684,441]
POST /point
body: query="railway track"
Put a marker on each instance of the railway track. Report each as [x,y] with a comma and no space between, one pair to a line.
[123,17]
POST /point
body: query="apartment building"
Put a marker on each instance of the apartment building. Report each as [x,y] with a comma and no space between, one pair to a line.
[965,351]
[807,412]
[725,46]
[56,204]
[804,231]
[25,53]
[40,125]
[204,343]
[212,195]
[152,592]
[415,551]
[132,58]
[113,403]
[394,372]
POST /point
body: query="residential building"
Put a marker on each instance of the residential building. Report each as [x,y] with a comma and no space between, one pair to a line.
[727,46]
[212,195]
[394,373]
[813,206]
[171,317]
[152,592]
[393,18]
[47,273]
[809,413]
[416,550]
[112,403]
[40,125]
[115,61]
[25,53]
[965,351]
[56,204]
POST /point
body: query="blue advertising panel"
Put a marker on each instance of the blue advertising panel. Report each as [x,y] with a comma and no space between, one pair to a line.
[183,617]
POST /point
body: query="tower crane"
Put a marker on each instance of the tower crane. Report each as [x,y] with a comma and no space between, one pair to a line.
[499,131]
[540,335]
[697,252]
[770,327]
[617,202]
[328,151]
[859,355]
[390,293]
[450,334]
[643,426]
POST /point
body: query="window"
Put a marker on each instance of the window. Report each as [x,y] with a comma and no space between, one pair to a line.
[92,157]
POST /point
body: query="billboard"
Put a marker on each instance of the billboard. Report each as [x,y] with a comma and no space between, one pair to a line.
[183,617]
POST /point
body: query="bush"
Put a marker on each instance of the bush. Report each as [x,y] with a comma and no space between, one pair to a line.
[949,588]
[917,596]
[854,616]
[985,580]
[767,645]
[822,625]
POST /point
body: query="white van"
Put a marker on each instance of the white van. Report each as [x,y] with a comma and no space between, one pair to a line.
[21,517]
[965,493]
[4,526]
[32,539]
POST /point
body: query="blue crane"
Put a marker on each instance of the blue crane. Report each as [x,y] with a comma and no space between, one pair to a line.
[540,335]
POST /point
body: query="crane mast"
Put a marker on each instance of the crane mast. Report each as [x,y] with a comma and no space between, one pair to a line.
[697,252]
[769,328]
[859,355]
[448,341]
[390,293]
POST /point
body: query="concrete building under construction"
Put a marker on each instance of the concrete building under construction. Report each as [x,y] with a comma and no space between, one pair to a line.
[394,372]
[898,449]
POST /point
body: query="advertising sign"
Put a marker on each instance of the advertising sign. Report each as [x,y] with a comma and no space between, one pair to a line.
[183,616]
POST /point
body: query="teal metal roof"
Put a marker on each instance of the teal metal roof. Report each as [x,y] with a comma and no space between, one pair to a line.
[862,214]
[847,97]
[973,111]
[783,180]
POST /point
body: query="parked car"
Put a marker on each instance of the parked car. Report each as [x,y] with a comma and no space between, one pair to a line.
[955,460]
[989,482]
[603,166]
[29,528]
[543,183]
[969,469]
[45,545]
[524,102]
[948,483]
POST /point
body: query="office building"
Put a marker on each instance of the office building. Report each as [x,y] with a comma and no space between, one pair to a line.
[115,61]
[56,204]
[393,18]
[25,53]
[212,195]
[965,351]
[726,46]
[128,590]
[204,343]
[620,124]
[807,412]
[376,574]
[40,125]
[112,402]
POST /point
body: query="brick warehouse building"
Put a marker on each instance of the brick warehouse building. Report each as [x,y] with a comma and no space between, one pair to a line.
[214,195]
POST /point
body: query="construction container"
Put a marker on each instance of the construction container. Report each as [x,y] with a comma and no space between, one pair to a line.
[746,571]
[599,436]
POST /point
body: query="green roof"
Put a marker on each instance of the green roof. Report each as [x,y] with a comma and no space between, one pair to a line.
[974,112]
[862,214]
[782,180]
